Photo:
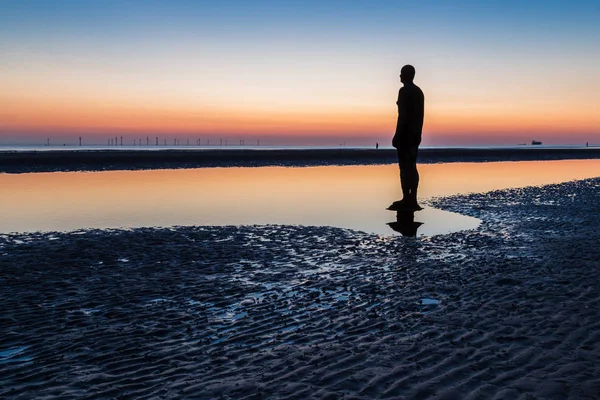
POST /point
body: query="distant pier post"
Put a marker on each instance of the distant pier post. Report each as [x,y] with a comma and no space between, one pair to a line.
[80,141]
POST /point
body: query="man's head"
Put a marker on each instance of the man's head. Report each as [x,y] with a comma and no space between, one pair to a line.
[407,74]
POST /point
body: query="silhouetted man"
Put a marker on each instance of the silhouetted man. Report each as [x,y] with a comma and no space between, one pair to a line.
[411,106]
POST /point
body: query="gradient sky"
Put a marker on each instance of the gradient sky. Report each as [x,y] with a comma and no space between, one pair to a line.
[298,72]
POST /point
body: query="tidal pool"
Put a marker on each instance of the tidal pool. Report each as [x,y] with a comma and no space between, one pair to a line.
[353,197]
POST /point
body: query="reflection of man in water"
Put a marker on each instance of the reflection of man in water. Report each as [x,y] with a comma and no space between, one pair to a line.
[411,105]
[405,223]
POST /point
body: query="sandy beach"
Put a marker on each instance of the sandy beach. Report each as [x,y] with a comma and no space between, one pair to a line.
[507,311]
[106,160]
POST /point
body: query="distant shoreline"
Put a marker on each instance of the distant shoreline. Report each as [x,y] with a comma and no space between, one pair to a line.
[105,160]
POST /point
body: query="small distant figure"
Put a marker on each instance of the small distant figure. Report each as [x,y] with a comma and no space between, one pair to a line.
[587,144]
[376,145]
[407,138]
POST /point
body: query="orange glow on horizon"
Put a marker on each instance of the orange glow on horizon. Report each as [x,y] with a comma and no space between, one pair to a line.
[76,117]
[71,117]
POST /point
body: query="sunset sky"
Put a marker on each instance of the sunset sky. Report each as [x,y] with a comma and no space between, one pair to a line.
[298,72]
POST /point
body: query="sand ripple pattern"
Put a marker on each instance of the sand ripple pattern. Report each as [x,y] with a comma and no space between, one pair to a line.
[509,311]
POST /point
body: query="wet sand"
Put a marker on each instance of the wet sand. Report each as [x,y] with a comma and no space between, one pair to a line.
[104,160]
[507,311]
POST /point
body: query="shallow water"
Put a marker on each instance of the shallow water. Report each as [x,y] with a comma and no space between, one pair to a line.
[353,197]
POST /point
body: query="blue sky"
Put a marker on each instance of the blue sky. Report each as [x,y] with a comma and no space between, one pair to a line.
[313,56]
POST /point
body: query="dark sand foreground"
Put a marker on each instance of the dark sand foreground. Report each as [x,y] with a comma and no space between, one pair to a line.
[509,311]
[104,160]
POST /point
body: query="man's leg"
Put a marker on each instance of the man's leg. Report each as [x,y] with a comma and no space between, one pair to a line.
[413,174]
[404,165]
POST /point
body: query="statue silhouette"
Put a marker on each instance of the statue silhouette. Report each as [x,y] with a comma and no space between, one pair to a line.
[407,138]
[405,223]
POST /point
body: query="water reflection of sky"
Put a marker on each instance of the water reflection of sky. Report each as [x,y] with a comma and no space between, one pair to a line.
[352,197]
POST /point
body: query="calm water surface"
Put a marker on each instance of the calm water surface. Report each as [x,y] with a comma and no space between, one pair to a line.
[352,197]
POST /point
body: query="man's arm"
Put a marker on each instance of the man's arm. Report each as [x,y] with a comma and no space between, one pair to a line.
[402,109]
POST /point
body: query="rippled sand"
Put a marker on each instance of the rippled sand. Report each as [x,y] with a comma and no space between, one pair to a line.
[507,311]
